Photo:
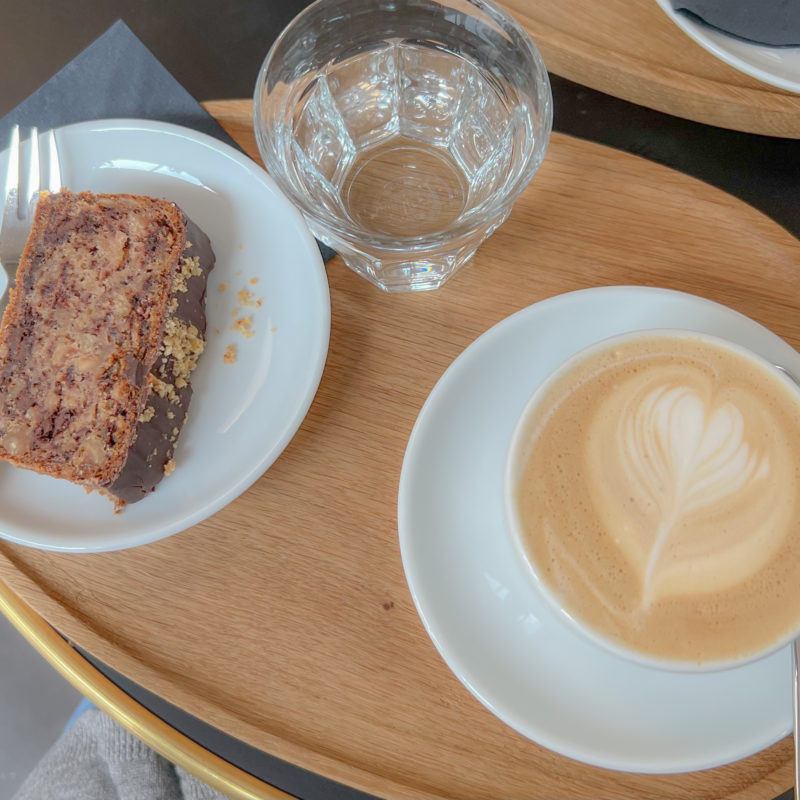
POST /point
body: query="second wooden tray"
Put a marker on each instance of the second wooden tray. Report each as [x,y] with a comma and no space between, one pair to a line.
[631,49]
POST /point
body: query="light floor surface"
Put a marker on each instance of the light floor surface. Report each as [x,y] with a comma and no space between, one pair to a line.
[35,705]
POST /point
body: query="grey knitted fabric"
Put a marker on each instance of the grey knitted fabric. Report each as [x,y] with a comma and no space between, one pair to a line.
[96,759]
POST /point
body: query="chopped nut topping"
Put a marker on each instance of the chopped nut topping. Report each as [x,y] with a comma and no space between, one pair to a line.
[163,389]
[185,344]
[147,414]
[187,268]
[169,467]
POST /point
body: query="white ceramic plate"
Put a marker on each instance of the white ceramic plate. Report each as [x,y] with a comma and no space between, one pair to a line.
[243,414]
[777,66]
[473,596]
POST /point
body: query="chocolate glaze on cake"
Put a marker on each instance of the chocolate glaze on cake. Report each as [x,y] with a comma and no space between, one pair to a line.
[99,338]
[150,457]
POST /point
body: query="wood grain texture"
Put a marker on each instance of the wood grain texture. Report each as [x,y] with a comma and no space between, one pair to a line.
[631,49]
[285,619]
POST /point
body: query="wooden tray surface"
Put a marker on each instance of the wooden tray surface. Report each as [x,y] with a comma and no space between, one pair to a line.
[285,620]
[633,50]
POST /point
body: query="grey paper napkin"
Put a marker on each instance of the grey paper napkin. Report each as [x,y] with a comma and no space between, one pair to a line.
[770,22]
[115,76]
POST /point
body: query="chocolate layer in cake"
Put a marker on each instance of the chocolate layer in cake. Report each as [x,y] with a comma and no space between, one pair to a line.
[99,338]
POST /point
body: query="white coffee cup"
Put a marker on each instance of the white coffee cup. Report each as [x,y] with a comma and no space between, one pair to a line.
[535,417]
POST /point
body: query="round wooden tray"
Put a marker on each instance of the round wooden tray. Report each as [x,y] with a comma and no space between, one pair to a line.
[285,620]
[631,49]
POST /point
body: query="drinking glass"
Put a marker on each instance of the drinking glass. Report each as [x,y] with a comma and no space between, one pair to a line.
[404,130]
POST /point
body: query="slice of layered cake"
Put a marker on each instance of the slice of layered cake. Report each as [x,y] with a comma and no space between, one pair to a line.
[101,333]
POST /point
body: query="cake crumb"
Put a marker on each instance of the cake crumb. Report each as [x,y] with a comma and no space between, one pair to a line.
[247,298]
[254,281]
[223,287]
[244,325]
[230,354]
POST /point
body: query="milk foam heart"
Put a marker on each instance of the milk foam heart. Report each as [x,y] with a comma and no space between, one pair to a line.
[674,471]
[658,500]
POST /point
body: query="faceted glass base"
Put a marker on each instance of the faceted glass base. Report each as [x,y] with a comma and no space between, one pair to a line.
[413,275]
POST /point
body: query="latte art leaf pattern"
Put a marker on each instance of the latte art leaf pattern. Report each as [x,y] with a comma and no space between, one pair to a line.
[684,456]
[660,498]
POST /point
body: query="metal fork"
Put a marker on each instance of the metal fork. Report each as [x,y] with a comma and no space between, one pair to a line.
[25,179]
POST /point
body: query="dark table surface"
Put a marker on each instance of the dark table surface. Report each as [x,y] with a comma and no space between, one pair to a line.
[215,50]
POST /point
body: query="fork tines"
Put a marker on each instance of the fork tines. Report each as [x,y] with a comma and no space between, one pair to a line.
[22,190]
[24,181]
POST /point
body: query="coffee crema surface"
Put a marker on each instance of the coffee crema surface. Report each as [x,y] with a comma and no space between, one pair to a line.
[658,498]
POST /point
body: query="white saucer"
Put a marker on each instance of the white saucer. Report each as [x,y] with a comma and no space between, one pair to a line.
[242,414]
[484,617]
[777,66]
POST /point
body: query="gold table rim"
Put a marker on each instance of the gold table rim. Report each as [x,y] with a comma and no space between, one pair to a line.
[166,740]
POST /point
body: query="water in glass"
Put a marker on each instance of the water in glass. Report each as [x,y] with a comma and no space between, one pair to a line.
[406,144]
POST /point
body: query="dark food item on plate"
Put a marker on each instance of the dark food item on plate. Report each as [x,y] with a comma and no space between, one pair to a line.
[775,23]
[100,336]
